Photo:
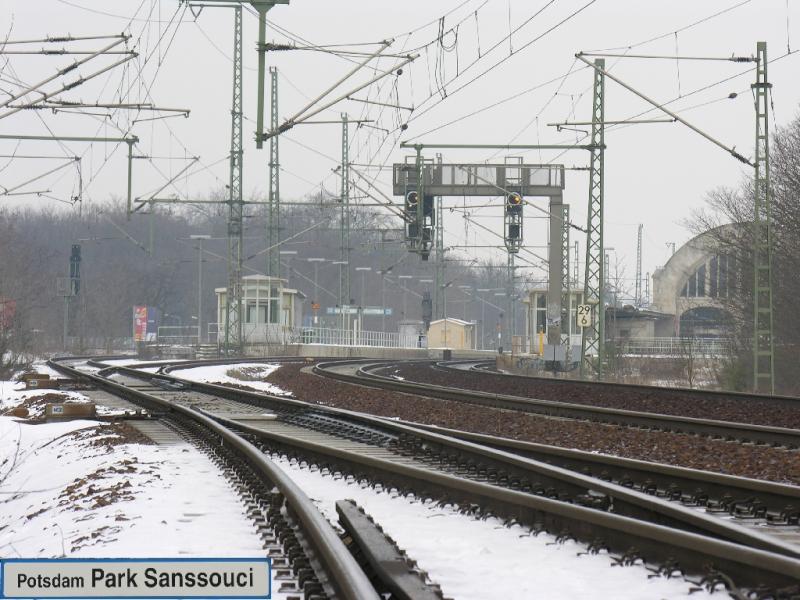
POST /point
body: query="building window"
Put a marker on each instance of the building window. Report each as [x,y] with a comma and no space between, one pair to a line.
[713,289]
[701,281]
[273,310]
[541,313]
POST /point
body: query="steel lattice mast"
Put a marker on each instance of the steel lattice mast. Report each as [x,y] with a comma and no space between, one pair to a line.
[763,339]
[274,198]
[639,266]
[592,343]
[344,223]
[566,301]
[233,299]
[439,265]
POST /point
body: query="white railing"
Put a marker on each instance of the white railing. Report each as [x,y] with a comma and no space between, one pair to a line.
[345,337]
[281,335]
[178,335]
[673,346]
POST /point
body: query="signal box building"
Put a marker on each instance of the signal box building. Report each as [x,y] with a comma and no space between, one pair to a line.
[536,317]
[269,309]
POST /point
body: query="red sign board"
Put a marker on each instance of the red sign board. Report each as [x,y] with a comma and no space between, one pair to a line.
[139,323]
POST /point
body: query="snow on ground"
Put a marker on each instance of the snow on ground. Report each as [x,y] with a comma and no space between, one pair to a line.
[13,394]
[42,367]
[250,375]
[485,560]
[86,489]
[123,362]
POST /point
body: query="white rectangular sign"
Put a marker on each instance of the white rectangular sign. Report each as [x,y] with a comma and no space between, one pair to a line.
[136,578]
[584,315]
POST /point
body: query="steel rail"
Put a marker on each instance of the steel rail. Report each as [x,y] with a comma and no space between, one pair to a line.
[635,503]
[383,555]
[477,365]
[344,574]
[778,498]
[776,436]
[657,542]
[618,532]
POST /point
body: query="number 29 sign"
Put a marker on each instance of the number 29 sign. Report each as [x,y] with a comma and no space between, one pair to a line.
[584,315]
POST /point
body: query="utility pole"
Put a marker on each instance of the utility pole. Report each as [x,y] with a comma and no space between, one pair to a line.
[315,302]
[639,267]
[233,299]
[200,239]
[763,338]
[512,305]
[344,224]
[592,342]
[274,199]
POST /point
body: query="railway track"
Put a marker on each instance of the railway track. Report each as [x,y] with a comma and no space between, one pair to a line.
[364,373]
[758,504]
[428,464]
[756,409]
[308,557]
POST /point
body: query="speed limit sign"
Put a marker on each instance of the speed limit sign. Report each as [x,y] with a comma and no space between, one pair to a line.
[584,315]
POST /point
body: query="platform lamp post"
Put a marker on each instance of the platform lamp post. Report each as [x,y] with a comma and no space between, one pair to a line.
[464,289]
[364,271]
[500,324]
[383,273]
[199,239]
[483,315]
[315,302]
[345,321]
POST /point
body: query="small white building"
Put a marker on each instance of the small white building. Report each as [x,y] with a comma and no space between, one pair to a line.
[536,318]
[269,309]
[451,333]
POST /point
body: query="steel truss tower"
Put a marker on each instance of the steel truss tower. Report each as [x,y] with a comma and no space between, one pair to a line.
[233,304]
[763,340]
[439,264]
[566,301]
[344,223]
[639,266]
[592,343]
[274,199]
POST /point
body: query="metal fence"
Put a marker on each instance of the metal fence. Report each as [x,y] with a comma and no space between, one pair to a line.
[346,337]
[333,337]
[178,335]
[673,346]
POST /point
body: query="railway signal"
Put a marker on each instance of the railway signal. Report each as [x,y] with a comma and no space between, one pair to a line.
[513,221]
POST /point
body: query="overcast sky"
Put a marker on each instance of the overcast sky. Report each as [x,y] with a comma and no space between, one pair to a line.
[655,174]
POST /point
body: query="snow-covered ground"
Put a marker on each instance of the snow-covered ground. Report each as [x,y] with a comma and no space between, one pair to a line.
[255,373]
[13,393]
[485,560]
[80,489]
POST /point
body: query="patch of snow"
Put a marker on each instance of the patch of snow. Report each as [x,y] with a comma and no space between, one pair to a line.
[484,559]
[13,393]
[65,491]
[123,362]
[219,374]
